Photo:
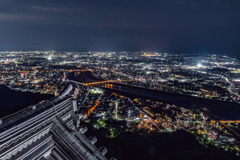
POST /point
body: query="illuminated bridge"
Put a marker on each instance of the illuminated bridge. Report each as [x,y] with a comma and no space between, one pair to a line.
[46,131]
[215,109]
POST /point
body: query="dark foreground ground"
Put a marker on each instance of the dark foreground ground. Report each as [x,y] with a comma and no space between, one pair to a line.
[179,145]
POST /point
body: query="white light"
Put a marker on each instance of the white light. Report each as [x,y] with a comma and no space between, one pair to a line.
[49,58]
[199,65]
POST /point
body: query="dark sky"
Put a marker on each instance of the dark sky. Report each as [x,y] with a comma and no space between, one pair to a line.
[163,25]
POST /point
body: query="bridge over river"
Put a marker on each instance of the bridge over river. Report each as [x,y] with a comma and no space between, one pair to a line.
[217,110]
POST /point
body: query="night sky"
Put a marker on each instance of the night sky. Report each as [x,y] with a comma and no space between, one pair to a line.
[209,26]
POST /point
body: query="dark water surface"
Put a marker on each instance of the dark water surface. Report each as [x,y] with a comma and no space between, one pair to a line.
[12,101]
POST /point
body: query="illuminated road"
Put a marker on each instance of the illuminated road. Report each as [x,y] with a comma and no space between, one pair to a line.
[93,107]
[150,119]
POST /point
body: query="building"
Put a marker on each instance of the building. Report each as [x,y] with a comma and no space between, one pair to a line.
[46,131]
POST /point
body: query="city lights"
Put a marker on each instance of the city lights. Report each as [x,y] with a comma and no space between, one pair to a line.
[103,91]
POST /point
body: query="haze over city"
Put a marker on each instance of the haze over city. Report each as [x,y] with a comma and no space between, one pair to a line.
[209,26]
